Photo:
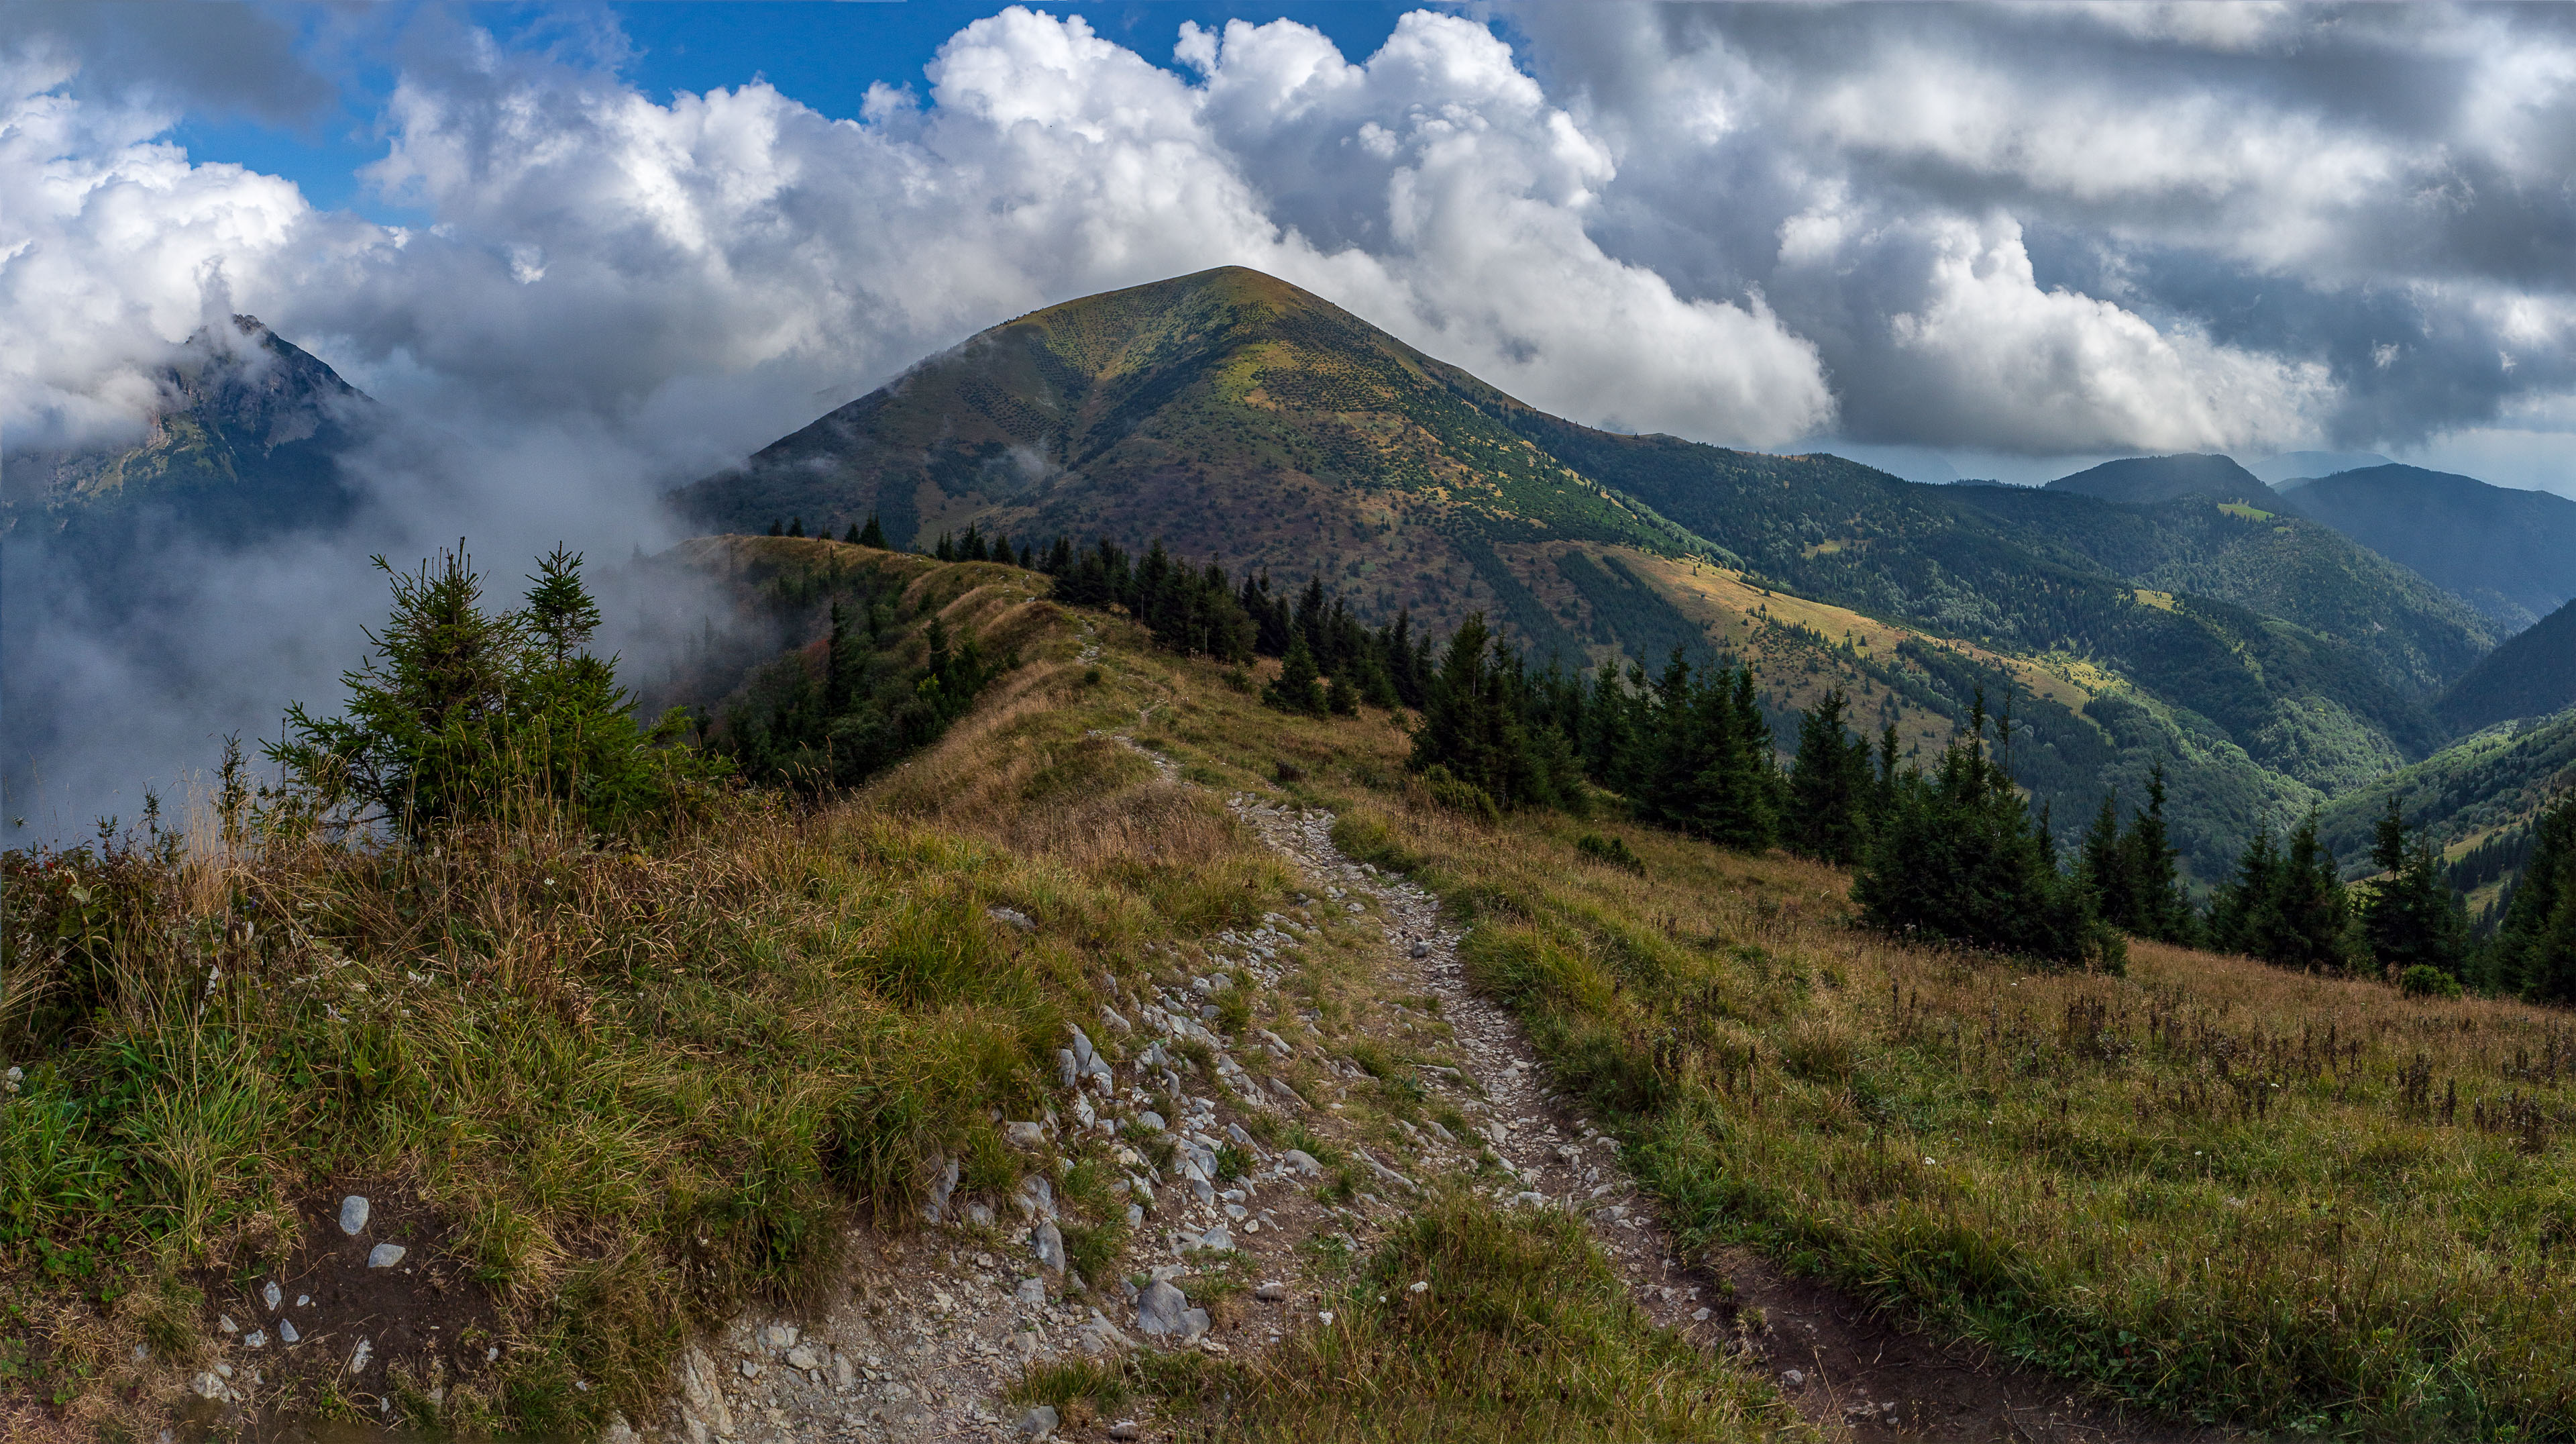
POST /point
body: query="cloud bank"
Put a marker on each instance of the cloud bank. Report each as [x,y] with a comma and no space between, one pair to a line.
[2029,230]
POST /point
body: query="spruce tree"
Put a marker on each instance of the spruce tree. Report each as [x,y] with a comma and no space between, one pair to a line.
[777,528]
[1471,728]
[460,715]
[872,535]
[1959,857]
[1829,786]
[1299,688]
[2411,918]
[2244,914]
[2534,952]
[852,536]
[796,526]
[1341,698]
[2313,919]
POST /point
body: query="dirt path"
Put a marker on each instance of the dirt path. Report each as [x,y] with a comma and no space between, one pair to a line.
[921,1333]
[1850,1371]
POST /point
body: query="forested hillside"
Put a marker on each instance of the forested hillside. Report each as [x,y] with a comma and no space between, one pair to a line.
[1236,419]
[2531,675]
[2511,554]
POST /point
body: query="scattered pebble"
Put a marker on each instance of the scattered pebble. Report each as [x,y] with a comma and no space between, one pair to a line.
[353,1215]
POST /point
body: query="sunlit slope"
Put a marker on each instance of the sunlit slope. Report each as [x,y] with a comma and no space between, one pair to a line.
[1237,417]
[1227,413]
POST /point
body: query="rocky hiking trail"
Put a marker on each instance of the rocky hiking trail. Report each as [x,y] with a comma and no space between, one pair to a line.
[924,1332]
[1848,1370]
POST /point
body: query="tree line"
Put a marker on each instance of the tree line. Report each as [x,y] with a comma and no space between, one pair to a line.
[1951,851]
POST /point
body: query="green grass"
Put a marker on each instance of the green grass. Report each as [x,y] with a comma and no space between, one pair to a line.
[1519,1331]
[2210,1188]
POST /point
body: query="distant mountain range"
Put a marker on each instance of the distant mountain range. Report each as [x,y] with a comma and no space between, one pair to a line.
[1234,416]
[2531,675]
[243,443]
[2511,554]
[2176,609]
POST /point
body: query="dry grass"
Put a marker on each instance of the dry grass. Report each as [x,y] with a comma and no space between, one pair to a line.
[640,1085]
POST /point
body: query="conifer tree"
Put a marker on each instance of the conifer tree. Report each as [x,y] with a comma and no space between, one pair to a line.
[2315,912]
[872,535]
[777,528]
[1960,857]
[2411,918]
[2534,952]
[1472,728]
[945,550]
[1341,698]
[1299,687]
[1829,786]
[461,715]
[796,526]
[852,536]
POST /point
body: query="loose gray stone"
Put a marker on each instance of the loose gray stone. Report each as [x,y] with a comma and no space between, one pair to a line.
[1025,1135]
[1031,1291]
[255,1339]
[286,1332]
[1150,1121]
[385,1255]
[1048,1245]
[1304,1162]
[1162,1310]
[272,1295]
[353,1215]
[1067,1067]
[1217,1238]
[1039,1422]
[1126,1429]
[942,1185]
[1012,917]
[1272,1292]
[359,1356]
[1420,950]
[802,1357]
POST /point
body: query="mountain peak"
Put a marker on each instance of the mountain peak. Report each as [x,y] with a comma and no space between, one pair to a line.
[2145,480]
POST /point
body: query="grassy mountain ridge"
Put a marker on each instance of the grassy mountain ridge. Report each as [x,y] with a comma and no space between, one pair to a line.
[1238,417]
[1227,413]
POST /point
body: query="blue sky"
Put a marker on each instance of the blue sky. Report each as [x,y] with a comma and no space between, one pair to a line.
[824,53]
[1954,240]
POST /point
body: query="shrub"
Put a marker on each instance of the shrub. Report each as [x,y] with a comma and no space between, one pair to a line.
[2426,981]
[1459,795]
[1612,850]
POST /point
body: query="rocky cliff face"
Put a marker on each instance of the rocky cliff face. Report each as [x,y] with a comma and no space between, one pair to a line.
[244,443]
